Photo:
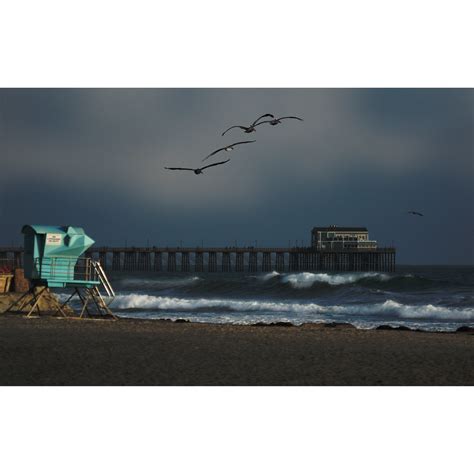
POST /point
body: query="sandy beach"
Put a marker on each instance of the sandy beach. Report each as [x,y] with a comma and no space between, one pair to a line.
[55,351]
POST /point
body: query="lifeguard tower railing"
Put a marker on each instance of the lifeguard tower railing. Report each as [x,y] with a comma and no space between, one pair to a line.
[62,272]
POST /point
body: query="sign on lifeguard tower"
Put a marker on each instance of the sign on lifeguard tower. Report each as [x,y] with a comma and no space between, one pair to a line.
[53,239]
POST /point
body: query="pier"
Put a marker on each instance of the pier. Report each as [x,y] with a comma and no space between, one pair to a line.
[231,259]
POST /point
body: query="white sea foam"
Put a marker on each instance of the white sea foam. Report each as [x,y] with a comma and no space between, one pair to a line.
[158,282]
[268,276]
[306,279]
[389,308]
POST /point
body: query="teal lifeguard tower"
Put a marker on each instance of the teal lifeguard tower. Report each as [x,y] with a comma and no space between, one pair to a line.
[52,259]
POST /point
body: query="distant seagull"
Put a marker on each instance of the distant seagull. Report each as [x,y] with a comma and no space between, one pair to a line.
[199,170]
[227,148]
[250,128]
[276,121]
[415,213]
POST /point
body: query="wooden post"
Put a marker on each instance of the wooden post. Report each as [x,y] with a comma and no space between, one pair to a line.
[253,259]
[212,263]
[157,262]
[185,267]
[199,262]
[144,261]
[103,259]
[267,262]
[116,262]
[171,262]
[130,261]
[239,261]
[280,262]
[226,265]
[294,257]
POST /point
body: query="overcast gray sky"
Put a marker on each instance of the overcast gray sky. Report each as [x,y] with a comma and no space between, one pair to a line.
[94,158]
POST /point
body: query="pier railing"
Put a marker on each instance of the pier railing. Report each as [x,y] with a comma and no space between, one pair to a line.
[235,259]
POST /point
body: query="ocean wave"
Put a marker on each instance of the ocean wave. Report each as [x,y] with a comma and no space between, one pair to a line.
[160,283]
[306,279]
[388,308]
[284,285]
[268,276]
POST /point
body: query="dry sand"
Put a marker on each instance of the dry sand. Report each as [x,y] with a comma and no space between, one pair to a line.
[54,351]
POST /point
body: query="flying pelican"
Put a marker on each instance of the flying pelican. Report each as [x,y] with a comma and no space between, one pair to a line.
[276,121]
[227,148]
[250,128]
[415,213]
[199,170]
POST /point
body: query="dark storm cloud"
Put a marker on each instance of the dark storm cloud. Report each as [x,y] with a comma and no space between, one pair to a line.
[363,157]
[39,112]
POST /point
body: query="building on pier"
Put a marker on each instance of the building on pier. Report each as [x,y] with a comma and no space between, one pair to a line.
[340,238]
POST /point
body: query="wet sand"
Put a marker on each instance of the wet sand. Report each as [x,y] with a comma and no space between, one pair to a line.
[55,351]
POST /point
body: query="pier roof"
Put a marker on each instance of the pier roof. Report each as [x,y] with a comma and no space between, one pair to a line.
[341,229]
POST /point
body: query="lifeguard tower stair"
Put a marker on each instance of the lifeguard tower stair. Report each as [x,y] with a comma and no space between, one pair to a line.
[53,260]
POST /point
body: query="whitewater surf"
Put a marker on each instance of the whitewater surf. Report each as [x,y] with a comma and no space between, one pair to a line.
[428,298]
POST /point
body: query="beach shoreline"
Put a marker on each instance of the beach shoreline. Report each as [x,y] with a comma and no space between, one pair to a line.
[70,351]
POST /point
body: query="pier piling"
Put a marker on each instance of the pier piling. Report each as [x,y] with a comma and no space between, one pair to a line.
[185,266]
[226,265]
[239,262]
[171,261]
[253,262]
[199,262]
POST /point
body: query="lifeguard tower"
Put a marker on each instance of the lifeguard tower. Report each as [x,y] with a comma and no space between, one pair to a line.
[53,260]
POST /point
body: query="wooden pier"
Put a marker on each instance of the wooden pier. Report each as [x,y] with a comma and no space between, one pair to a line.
[231,259]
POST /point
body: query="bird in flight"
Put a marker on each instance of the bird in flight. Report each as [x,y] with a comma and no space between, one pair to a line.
[415,213]
[250,128]
[198,170]
[227,148]
[276,121]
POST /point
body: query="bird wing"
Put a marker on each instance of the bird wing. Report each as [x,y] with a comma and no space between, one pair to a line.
[215,164]
[241,143]
[213,153]
[234,126]
[291,117]
[260,123]
[263,116]
[233,144]
[187,169]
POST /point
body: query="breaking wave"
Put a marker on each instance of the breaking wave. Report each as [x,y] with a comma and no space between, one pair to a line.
[277,284]
[306,280]
[151,283]
[389,307]
[431,298]
[268,276]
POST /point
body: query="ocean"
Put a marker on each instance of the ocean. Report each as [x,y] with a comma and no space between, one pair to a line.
[432,298]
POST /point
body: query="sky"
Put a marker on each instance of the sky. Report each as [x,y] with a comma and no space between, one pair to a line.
[95,158]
